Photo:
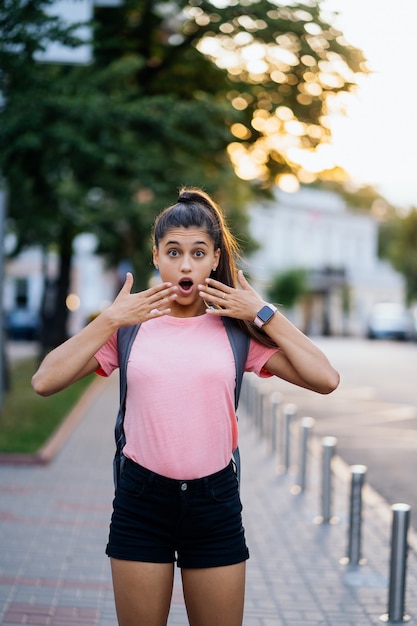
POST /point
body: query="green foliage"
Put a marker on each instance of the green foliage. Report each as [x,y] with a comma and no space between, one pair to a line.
[398,244]
[288,287]
[103,147]
[27,420]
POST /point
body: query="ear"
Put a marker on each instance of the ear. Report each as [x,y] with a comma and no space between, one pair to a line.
[216,259]
[155,257]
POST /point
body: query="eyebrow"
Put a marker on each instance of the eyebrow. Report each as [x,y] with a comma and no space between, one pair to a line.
[172,242]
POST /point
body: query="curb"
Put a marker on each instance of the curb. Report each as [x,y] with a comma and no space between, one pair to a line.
[54,443]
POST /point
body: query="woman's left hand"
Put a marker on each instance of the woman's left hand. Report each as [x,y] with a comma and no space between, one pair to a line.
[298,360]
[241,303]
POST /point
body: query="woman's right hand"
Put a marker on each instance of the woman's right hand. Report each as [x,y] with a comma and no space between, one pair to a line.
[133,308]
[74,359]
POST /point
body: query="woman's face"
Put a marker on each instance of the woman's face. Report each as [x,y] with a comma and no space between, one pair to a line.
[186,257]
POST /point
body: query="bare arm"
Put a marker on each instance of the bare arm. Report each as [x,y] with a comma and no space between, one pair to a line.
[299,360]
[75,359]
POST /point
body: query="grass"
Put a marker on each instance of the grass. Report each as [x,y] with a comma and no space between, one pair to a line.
[26,419]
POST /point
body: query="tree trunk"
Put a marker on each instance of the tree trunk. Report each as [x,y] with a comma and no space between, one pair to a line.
[54,309]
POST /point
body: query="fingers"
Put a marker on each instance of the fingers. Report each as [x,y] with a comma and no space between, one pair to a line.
[128,284]
[159,298]
[241,302]
[158,313]
[242,280]
[214,293]
[219,298]
[216,284]
[133,308]
[162,293]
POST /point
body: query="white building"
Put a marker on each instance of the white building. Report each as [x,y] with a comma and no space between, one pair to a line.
[315,230]
[92,287]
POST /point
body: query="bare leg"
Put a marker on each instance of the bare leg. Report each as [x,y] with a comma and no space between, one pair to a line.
[215,596]
[142,592]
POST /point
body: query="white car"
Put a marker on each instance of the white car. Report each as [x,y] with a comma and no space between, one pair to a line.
[390,320]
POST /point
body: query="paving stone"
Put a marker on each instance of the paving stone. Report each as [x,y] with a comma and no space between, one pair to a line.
[54,525]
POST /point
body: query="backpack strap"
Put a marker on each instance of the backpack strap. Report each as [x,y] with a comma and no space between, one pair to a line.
[125,338]
[240,342]
[126,335]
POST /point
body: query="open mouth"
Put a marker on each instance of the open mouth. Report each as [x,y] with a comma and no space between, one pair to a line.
[186,286]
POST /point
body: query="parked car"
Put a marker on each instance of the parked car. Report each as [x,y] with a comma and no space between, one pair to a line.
[22,324]
[390,320]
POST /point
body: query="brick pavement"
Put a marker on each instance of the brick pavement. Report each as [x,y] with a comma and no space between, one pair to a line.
[54,523]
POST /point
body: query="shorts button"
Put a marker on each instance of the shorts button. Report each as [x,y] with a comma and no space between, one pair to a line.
[183,486]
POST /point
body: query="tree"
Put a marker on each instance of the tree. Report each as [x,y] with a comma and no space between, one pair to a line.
[277,67]
[27,30]
[178,93]
[398,244]
[289,286]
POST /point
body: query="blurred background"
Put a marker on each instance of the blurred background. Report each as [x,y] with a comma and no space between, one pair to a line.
[296,117]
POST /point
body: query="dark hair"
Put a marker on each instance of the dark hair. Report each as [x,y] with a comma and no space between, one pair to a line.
[195,209]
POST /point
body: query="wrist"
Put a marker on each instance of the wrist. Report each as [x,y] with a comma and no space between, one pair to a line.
[264,315]
[108,320]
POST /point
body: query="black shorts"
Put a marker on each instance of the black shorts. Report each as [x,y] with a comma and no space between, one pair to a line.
[161,520]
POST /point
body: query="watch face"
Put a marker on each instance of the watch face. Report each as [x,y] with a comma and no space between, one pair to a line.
[265,314]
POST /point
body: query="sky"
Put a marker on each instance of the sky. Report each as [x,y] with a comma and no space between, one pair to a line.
[377,141]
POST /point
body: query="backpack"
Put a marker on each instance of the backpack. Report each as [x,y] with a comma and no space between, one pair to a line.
[126,335]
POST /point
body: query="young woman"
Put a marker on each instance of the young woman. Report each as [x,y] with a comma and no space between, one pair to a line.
[178,499]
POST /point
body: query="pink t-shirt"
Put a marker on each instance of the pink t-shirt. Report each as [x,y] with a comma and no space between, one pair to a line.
[180,417]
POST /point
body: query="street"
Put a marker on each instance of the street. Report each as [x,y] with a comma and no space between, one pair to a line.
[373,413]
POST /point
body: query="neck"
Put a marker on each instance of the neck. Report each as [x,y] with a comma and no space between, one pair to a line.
[188,310]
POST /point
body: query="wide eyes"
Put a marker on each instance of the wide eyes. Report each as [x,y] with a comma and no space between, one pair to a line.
[199,254]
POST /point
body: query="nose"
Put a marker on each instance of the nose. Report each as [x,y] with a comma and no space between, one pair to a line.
[186,263]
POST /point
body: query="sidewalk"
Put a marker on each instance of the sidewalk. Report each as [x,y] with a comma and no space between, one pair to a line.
[54,523]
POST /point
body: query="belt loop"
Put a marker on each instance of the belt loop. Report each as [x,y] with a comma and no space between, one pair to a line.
[151,477]
[206,486]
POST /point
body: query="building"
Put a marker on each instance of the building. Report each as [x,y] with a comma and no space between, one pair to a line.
[311,229]
[337,246]
[93,286]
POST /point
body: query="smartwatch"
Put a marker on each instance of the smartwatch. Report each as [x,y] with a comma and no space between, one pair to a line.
[264,315]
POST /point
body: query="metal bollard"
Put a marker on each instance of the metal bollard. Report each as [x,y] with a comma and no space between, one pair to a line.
[290,411]
[251,400]
[266,414]
[306,426]
[244,393]
[260,409]
[354,557]
[398,565]
[256,406]
[328,446]
[275,404]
